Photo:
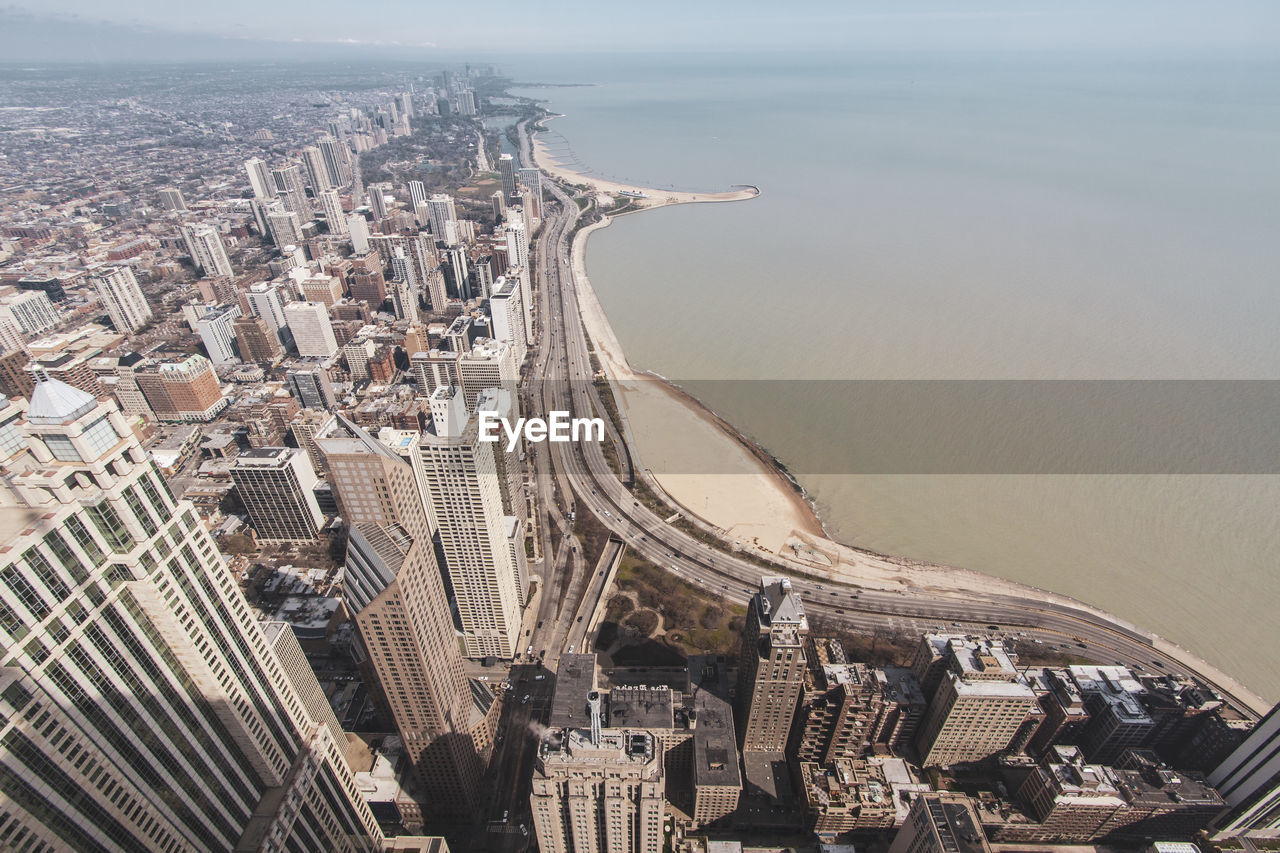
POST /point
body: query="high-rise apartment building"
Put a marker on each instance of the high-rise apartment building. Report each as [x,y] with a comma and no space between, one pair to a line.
[276,486]
[265,301]
[310,384]
[290,189]
[442,211]
[489,364]
[171,198]
[207,251]
[334,154]
[979,706]
[334,214]
[358,228]
[517,243]
[317,174]
[264,186]
[29,311]
[458,478]
[312,332]
[598,789]
[284,225]
[142,705]
[256,341]
[119,291]
[417,193]
[771,666]
[186,390]
[507,306]
[941,822]
[217,331]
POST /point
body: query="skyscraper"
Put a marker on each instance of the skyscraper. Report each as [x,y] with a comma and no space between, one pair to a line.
[285,226]
[256,341]
[507,306]
[507,168]
[417,193]
[205,244]
[310,384]
[442,211]
[289,187]
[157,715]
[264,187]
[377,201]
[1249,780]
[312,332]
[276,484]
[334,154]
[771,666]
[517,243]
[265,302]
[395,593]
[119,291]
[358,227]
[171,198]
[458,478]
[317,174]
[217,331]
[333,213]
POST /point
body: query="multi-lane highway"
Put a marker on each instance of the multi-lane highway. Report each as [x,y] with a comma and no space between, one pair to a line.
[564,380]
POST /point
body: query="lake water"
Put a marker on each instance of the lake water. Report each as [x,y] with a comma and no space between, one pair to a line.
[962,218]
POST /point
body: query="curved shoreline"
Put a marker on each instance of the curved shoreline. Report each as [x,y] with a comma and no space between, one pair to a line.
[870,568]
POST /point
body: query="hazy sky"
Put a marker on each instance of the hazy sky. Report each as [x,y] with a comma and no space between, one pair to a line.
[62,29]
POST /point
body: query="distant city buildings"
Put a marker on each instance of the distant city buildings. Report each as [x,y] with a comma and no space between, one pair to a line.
[118,288]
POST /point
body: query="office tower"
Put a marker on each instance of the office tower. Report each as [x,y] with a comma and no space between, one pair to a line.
[144,707]
[317,174]
[264,186]
[312,332]
[466,103]
[979,706]
[265,302]
[217,330]
[417,193]
[172,199]
[507,168]
[508,310]
[499,204]
[1249,780]
[940,822]
[256,341]
[771,666]
[207,250]
[434,368]
[275,485]
[334,155]
[394,591]
[186,390]
[377,201]
[30,312]
[442,210]
[289,188]
[333,213]
[119,291]
[482,275]
[358,228]
[458,477]
[310,384]
[285,226]
[597,788]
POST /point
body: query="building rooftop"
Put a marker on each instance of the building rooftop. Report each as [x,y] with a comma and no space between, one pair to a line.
[779,603]
[641,707]
[56,402]
[575,678]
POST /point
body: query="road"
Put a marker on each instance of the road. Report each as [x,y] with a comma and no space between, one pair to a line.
[581,470]
[509,777]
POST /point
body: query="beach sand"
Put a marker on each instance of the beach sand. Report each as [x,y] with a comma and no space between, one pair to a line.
[754,502]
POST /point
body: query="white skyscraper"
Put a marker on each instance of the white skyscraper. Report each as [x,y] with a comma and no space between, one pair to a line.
[333,213]
[166,719]
[442,211]
[377,201]
[507,304]
[358,228]
[404,291]
[218,334]
[459,480]
[517,243]
[417,193]
[312,331]
[317,174]
[265,302]
[289,187]
[285,226]
[119,291]
[264,187]
[205,245]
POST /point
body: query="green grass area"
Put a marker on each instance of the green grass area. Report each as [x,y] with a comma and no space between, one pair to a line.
[695,621]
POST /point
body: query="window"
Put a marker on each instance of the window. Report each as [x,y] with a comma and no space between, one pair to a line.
[83,539]
[100,436]
[104,517]
[61,448]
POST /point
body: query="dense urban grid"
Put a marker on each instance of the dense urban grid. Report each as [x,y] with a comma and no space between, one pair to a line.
[267,587]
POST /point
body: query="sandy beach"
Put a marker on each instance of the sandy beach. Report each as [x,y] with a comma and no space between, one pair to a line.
[754,502]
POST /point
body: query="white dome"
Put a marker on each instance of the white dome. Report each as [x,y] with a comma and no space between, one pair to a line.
[56,402]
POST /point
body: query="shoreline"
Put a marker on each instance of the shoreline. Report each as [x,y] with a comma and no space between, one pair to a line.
[824,557]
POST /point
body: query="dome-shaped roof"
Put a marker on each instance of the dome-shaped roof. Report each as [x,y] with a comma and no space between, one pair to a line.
[56,402]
